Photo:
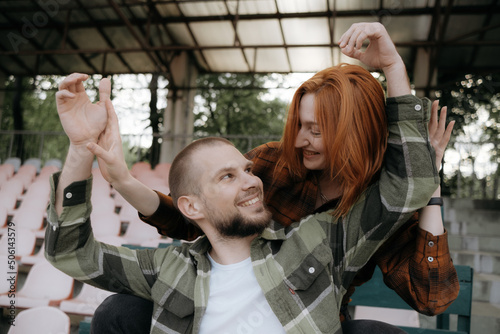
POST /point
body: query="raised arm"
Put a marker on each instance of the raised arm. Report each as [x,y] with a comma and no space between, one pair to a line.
[69,243]
[381,54]
[83,122]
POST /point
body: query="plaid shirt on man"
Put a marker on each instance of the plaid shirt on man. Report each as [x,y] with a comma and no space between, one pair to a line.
[303,269]
[427,286]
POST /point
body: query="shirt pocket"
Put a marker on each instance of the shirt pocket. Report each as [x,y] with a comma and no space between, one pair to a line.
[314,265]
[176,310]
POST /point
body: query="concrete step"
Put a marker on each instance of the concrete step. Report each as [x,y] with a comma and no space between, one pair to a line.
[486,288]
[478,227]
[482,262]
[474,243]
[485,319]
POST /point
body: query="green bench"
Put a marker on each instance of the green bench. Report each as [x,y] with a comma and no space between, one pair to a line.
[376,294]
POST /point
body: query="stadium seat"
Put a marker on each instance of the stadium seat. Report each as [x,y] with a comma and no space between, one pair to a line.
[23,240]
[14,161]
[162,170]
[105,224]
[44,286]
[43,319]
[3,217]
[30,260]
[139,168]
[35,162]
[29,215]
[26,174]
[53,162]
[10,192]
[138,232]
[86,302]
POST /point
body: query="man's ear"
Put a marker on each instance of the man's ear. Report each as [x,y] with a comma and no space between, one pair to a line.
[190,207]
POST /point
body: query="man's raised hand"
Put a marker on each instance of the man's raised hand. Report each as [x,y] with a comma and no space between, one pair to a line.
[82,120]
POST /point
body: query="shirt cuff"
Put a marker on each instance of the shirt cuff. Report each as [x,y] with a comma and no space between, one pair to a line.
[431,247]
[407,107]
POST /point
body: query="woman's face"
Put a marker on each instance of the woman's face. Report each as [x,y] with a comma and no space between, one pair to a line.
[309,138]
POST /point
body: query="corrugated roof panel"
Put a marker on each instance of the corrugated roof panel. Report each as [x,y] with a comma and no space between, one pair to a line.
[271,60]
[310,59]
[167,10]
[212,8]
[72,63]
[226,60]
[89,38]
[402,28]
[342,24]
[213,33]
[259,32]
[121,36]
[251,7]
[301,6]
[461,24]
[356,4]
[306,31]
[180,33]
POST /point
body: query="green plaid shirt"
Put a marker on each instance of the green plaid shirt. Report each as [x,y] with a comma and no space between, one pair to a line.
[303,269]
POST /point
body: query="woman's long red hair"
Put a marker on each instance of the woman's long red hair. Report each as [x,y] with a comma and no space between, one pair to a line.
[350,111]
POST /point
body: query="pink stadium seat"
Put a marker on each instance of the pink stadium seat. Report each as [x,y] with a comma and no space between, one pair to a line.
[138,232]
[7,169]
[24,241]
[105,224]
[48,170]
[30,260]
[43,319]
[139,168]
[9,193]
[29,216]
[44,286]
[162,170]
[26,174]
[3,216]
[86,302]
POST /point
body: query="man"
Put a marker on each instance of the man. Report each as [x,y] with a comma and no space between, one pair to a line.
[293,278]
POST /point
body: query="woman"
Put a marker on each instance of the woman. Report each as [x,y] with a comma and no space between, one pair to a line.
[332,149]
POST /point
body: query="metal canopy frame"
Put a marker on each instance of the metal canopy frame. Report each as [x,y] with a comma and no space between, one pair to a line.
[130,36]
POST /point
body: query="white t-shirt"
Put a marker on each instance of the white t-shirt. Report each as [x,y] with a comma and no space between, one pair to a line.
[236,303]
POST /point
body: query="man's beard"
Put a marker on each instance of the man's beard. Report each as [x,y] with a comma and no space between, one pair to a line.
[238,226]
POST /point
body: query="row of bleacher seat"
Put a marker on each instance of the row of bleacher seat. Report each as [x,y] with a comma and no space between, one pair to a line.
[24,196]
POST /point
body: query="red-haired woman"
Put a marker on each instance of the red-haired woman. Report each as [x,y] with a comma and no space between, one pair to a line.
[332,149]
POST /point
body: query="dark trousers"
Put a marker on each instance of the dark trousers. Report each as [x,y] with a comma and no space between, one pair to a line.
[127,314]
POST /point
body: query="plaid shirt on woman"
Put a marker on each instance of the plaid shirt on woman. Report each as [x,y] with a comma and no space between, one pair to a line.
[303,269]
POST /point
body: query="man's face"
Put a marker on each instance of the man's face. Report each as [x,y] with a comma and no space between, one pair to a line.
[232,196]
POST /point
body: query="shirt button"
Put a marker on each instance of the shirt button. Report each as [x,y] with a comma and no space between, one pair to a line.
[69,195]
[312,270]
[430,259]
[431,243]
[418,107]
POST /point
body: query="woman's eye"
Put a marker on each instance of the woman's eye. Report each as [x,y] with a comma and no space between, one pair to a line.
[315,133]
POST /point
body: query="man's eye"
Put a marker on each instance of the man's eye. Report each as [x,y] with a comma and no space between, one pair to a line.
[227,176]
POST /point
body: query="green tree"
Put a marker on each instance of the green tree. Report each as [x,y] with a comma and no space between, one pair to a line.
[231,105]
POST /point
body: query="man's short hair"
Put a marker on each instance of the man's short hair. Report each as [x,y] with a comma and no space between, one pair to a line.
[184,175]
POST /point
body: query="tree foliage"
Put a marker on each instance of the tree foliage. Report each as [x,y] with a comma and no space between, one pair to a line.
[238,104]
